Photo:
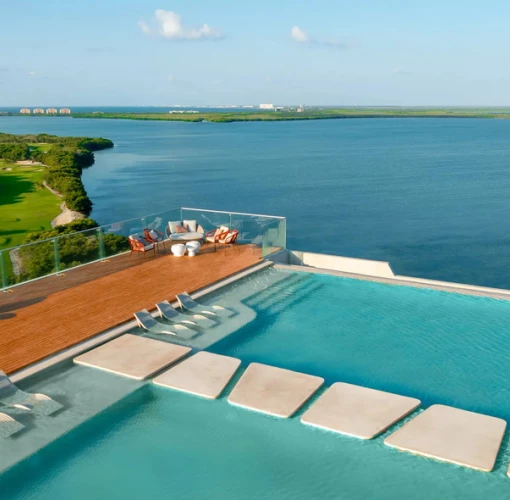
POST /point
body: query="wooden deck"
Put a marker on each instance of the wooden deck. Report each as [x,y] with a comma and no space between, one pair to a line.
[46,316]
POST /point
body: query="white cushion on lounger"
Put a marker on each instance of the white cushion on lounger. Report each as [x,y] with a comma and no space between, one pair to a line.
[155,236]
[224,228]
[150,246]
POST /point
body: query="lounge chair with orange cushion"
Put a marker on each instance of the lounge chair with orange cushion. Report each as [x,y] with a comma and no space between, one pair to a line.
[153,236]
[139,244]
[229,238]
[215,235]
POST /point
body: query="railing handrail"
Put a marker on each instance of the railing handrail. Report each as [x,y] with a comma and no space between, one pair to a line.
[233,213]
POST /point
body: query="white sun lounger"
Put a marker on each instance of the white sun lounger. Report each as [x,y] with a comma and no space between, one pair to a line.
[9,426]
[39,404]
[147,322]
[169,312]
[186,302]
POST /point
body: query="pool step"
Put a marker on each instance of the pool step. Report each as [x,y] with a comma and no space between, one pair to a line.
[275,289]
[287,301]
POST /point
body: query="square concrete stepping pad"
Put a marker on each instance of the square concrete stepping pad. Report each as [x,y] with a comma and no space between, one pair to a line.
[132,356]
[273,390]
[358,411]
[204,374]
[452,435]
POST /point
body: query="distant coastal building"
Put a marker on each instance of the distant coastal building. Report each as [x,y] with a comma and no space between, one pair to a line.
[300,109]
[279,108]
[266,106]
[65,111]
[25,111]
[38,111]
[51,111]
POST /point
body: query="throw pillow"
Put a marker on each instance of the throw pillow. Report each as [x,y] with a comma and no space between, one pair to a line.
[181,229]
[172,224]
[191,225]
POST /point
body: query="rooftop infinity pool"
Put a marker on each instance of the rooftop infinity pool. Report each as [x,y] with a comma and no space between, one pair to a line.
[159,443]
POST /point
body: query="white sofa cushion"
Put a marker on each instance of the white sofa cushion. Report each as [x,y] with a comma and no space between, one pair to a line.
[190,225]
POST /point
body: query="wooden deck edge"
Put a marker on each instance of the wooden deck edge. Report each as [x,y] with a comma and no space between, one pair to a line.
[121,328]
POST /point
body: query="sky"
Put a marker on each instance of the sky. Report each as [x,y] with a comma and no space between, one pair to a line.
[207,52]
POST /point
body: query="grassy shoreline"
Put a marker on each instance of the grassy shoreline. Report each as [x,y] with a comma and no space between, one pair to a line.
[307,114]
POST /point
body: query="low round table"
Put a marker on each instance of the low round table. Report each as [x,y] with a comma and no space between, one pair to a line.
[186,237]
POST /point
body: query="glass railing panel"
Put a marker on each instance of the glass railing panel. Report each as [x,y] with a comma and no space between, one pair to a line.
[34,260]
[76,249]
[250,227]
[274,237]
[124,228]
[159,222]
[207,219]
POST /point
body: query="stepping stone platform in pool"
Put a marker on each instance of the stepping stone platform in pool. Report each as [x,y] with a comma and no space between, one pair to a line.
[204,374]
[132,356]
[358,411]
[274,391]
[452,435]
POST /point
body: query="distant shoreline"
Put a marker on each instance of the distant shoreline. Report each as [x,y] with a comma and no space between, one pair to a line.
[292,115]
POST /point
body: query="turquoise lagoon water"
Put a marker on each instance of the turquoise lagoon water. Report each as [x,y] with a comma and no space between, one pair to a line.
[428,195]
[158,443]
[163,444]
[436,346]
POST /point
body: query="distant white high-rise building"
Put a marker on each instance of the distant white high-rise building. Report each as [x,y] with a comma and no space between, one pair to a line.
[266,106]
[25,111]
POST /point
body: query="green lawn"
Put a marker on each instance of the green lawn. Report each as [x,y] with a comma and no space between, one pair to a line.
[25,205]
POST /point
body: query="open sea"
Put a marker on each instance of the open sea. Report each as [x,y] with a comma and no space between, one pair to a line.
[429,195]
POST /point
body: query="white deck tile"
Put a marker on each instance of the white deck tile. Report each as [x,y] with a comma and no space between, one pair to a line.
[274,391]
[452,435]
[358,411]
[132,356]
[204,374]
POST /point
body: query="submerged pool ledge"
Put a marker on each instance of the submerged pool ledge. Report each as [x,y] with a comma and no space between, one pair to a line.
[373,270]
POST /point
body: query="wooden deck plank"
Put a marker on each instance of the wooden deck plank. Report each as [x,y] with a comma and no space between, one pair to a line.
[44,317]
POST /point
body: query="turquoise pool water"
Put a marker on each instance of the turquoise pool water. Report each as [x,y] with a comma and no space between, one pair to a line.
[439,347]
[158,443]
[163,444]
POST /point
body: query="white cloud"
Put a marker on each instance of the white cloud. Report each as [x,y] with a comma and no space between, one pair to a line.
[302,36]
[144,27]
[399,71]
[168,24]
[299,35]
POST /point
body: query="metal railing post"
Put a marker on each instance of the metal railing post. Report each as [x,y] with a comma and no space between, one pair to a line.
[102,249]
[57,258]
[2,270]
